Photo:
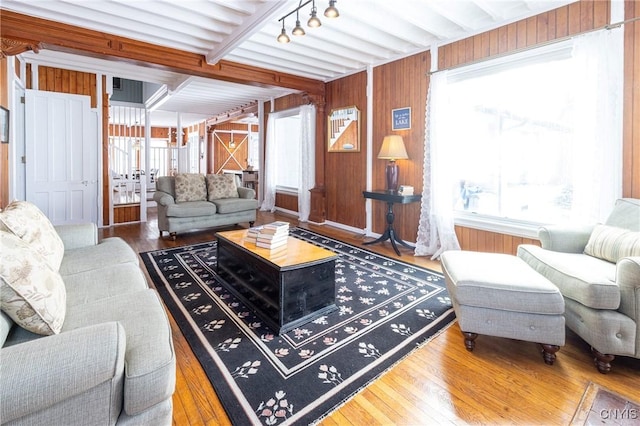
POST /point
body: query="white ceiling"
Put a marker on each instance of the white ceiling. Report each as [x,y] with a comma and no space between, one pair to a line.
[367,33]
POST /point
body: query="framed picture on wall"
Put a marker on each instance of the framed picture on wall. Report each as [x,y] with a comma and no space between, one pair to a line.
[401,118]
[4,125]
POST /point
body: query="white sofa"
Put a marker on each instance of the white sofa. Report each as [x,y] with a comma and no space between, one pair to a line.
[597,269]
[99,349]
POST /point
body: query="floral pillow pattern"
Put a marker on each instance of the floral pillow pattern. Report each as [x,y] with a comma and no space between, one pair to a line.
[221,186]
[26,221]
[190,187]
[31,292]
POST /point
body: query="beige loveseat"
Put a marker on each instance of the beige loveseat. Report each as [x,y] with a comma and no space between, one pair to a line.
[84,340]
[597,269]
[190,201]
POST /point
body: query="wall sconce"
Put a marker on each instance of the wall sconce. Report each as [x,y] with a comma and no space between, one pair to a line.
[313,22]
[392,149]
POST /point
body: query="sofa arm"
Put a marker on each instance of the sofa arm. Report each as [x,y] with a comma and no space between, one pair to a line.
[41,373]
[246,192]
[163,198]
[78,235]
[564,239]
[628,280]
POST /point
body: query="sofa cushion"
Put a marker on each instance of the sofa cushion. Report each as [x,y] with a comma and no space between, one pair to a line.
[28,222]
[221,186]
[32,293]
[612,243]
[190,187]
[102,283]
[109,252]
[150,369]
[233,205]
[585,279]
[191,209]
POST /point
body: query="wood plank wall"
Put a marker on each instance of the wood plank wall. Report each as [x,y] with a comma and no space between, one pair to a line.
[400,84]
[346,172]
[67,81]
[4,147]
[631,103]
[558,23]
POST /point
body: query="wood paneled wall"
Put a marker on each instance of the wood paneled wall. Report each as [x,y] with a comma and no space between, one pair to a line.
[346,172]
[555,24]
[4,147]
[67,81]
[631,103]
[400,84]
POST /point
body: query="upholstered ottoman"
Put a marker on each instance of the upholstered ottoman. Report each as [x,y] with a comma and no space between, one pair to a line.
[500,295]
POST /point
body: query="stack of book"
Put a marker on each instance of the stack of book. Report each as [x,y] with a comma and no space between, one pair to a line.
[252,234]
[273,235]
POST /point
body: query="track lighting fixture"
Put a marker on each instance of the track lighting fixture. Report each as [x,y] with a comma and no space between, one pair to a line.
[298,30]
[331,11]
[283,37]
[313,22]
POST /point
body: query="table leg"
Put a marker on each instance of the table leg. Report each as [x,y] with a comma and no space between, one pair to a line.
[390,233]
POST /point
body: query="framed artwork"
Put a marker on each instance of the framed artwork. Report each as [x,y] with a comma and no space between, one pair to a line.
[4,125]
[401,118]
[343,131]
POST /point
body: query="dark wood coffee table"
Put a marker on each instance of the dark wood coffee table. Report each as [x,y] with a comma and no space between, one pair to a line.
[285,287]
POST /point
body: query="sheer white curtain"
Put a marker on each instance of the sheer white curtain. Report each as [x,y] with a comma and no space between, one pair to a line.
[598,139]
[270,166]
[306,180]
[436,232]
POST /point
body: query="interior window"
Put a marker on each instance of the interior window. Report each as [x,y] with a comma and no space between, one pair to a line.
[287,136]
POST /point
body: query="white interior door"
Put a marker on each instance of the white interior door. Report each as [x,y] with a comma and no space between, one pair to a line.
[61,146]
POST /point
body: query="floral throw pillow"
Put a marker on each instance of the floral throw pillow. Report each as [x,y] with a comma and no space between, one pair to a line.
[190,187]
[221,186]
[26,221]
[31,293]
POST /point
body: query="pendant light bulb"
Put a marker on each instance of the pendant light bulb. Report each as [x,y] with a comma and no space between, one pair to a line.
[331,11]
[314,21]
[297,30]
[283,37]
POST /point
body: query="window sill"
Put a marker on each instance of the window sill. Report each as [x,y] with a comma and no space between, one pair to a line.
[500,225]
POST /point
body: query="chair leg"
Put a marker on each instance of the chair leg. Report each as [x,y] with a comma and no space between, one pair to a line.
[469,342]
[251,224]
[602,361]
[172,235]
[549,353]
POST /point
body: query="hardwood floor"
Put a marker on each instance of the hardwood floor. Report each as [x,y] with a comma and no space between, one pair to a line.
[502,382]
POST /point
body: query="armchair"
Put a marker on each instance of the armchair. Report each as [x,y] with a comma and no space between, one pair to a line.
[597,269]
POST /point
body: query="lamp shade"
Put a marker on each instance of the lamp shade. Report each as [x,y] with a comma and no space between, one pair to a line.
[393,148]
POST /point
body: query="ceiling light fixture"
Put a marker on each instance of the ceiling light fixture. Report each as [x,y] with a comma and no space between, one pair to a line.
[313,22]
[283,37]
[331,11]
[298,30]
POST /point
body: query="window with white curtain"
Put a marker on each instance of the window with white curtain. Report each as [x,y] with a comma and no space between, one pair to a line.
[534,137]
[287,145]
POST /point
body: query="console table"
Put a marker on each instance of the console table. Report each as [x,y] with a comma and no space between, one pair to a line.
[391,199]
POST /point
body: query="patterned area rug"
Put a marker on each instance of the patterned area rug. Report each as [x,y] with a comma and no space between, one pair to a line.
[386,308]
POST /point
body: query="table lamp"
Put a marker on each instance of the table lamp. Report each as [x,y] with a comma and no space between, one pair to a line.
[392,149]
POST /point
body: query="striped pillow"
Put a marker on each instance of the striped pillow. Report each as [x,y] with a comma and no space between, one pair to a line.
[612,244]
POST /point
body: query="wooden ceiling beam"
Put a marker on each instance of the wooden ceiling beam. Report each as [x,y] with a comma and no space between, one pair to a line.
[68,38]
